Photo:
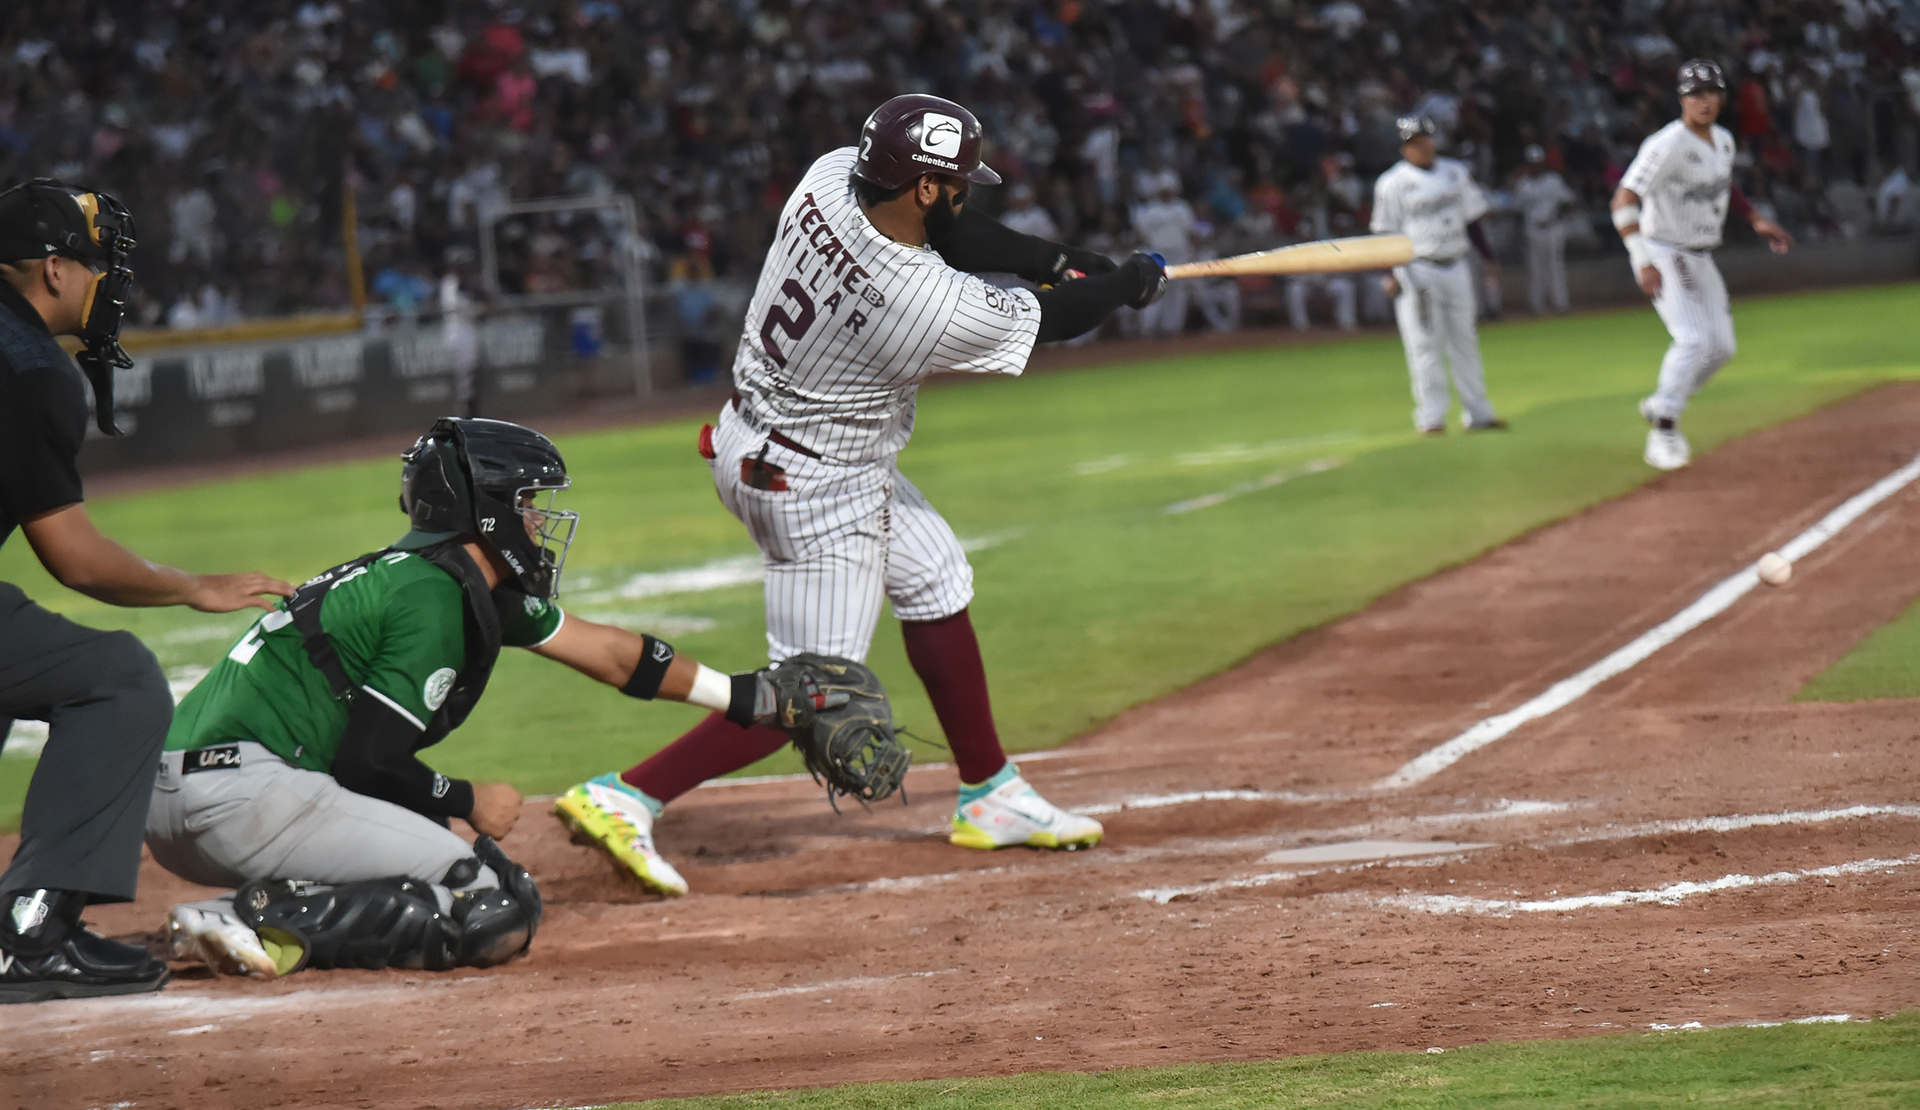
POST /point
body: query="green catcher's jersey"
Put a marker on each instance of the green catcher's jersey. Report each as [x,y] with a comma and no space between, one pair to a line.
[399,625]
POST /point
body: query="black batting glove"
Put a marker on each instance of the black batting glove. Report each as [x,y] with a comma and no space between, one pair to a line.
[1148,273]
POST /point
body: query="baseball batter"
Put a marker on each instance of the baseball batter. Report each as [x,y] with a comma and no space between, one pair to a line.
[292,771]
[1433,201]
[1670,208]
[865,294]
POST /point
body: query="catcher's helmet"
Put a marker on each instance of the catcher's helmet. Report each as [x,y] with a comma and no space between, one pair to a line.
[479,478]
[1698,75]
[1411,126]
[916,134]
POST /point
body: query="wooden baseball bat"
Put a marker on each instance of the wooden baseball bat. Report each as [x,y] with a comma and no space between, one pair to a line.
[1328,256]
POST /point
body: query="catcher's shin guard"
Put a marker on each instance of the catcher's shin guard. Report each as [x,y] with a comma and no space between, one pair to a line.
[371,923]
[497,925]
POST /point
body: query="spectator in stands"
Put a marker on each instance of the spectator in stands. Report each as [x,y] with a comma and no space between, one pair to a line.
[704,113]
[1024,216]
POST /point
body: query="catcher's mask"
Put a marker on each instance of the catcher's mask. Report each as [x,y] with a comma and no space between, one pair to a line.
[496,481]
[46,217]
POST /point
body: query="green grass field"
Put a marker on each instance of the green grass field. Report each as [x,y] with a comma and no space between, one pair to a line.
[1885,665]
[1858,1065]
[1092,597]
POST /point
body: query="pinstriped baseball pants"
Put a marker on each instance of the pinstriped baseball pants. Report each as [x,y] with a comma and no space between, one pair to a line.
[1693,304]
[836,542]
[1435,312]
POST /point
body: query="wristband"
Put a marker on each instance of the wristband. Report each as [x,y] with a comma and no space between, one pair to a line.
[655,657]
[1626,216]
[744,692]
[1637,252]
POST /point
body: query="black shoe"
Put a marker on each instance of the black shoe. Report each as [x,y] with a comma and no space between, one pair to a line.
[1434,432]
[53,956]
[1494,425]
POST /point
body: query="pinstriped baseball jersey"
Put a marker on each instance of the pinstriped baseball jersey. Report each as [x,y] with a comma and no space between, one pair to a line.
[1683,182]
[1432,207]
[846,323]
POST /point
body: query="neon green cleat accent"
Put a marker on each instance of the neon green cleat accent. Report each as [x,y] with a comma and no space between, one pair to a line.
[1014,816]
[610,815]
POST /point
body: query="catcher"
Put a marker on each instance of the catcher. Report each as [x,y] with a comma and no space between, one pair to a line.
[293,772]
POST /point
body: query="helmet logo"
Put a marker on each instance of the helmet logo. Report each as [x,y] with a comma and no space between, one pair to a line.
[940,135]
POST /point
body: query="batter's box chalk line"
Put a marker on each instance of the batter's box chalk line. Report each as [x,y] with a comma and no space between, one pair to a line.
[1671,894]
[1710,604]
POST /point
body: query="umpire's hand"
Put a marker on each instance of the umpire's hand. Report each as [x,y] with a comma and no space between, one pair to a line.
[225,593]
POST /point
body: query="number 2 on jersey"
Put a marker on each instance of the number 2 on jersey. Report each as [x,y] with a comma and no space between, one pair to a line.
[794,326]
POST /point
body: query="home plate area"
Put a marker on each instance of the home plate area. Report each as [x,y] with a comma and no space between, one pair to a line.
[1682,844]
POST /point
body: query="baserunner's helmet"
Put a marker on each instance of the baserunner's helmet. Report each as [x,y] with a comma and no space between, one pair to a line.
[1699,75]
[917,134]
[496,481]
[1412,127]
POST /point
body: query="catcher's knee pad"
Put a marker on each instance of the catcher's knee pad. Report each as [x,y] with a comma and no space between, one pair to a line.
[371,923]
[497,925]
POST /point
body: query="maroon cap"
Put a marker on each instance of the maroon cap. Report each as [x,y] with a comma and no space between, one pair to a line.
[915,134]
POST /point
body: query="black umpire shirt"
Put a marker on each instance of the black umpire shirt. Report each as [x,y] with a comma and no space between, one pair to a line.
[43,416]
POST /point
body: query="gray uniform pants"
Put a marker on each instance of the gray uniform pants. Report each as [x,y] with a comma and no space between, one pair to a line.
[1546,268]
[1436,315]
[107,710]
[252,816]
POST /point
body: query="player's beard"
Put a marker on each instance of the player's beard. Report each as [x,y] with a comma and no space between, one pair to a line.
[940,218]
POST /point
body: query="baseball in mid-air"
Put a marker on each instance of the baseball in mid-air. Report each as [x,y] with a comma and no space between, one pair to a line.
[1774,570]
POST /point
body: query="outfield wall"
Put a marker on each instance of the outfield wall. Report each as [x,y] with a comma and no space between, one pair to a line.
[252,395]
[1749,267]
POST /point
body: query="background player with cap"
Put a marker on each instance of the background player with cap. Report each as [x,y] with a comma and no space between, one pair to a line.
[1543,199]
[1166,225]
[1670,208]
[64,271]
[293,772]
[1433,201]
[865,294]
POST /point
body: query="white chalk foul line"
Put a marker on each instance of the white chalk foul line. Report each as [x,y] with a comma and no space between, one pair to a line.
[1711,604]
[1207,501]
[1670,895]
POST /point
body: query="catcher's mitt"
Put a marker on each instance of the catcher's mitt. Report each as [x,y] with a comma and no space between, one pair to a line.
[838,716]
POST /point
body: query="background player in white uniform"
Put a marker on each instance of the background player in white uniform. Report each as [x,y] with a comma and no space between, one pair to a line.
[1434,202]
[1165,223]
[865,294]
[1670,208]
[1543,199]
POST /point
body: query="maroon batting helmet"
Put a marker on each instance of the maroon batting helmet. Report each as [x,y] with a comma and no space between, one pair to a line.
[915,134]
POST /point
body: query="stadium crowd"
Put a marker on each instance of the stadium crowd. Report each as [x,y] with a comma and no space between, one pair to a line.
[237,131]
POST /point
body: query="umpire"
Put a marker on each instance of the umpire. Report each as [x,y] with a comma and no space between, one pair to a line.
[63,271]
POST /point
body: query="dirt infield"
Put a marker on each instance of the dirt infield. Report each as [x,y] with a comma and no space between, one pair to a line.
[1682,844]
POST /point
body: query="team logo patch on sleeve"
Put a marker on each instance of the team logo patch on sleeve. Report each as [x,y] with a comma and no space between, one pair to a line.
[439,684]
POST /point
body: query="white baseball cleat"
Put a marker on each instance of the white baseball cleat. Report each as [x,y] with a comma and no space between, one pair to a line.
[609,814]
[1667,449]
[1013,816]
[210,933]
